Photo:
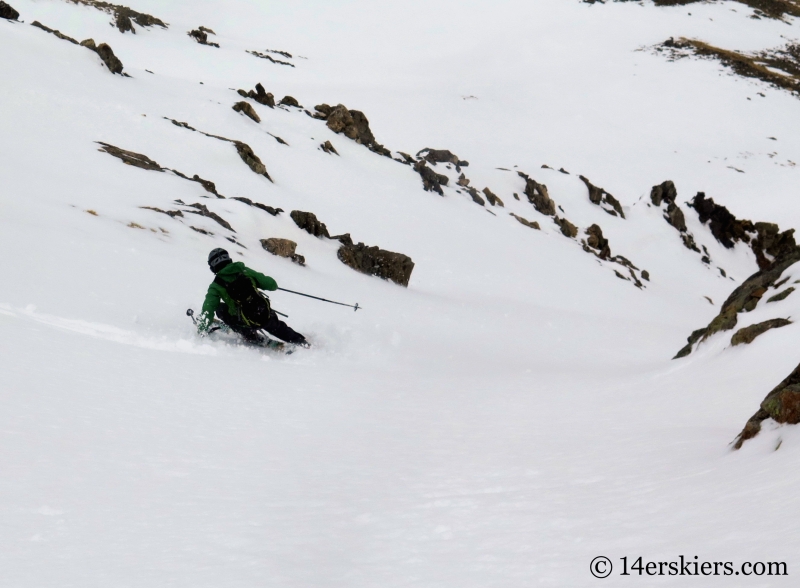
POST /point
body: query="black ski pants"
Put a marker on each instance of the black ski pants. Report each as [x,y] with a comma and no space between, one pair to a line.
[271,324]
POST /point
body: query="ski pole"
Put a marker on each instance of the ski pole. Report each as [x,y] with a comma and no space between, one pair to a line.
[356,307]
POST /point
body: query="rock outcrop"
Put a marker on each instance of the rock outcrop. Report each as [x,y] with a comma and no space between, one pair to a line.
[122,15]
[283,248]
[602,198]
[105,52]
[725,227]
[538,196]
[782,405]
[268,58]
[747,335]
[781,295]
[203,210]
[8,12]
[431,181]
[353,124]
[251,159]
[201,36]
[596,242]
[374,261]
[493,199]
[264,207]
[744,298]
[247,109]
[259,95]
[566,227]
[526,222]
[308,222]
[665,196]
[435,156]
[130,157]
[328,147]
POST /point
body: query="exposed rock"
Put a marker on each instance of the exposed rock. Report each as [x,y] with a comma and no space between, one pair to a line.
[664,192]
[462,181]
[202,210]
[247,108]
[290,101]
[58,34]
[328,147]
[602,198]
[674,216]
[107,55]
[567,228]
[493,199]
[208,185]
[596,241]
[693,338]
[431,181]
[345,239]
[526,222]
[476,198]
[130,158]
[123,13]
[124,24]
[201,231]
[746,296]
[251,159]
[201,37]
[782,405]
[771,243]
[323,111]
[8,12]
[538,196]
[645,275]
[170,213]
[268,58]
[747,335]
[352,123]
[283,248]
[260,95]
[377,262]
[725,227]
[435,156]
[781,296]
[264,207]
[309,223]
[688,242]
[206,30]
[407,159]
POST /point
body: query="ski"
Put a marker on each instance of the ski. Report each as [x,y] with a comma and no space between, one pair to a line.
[263,342]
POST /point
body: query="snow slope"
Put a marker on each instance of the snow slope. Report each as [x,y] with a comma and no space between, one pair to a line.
[511,415]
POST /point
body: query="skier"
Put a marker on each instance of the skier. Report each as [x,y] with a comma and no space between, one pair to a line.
[234,296]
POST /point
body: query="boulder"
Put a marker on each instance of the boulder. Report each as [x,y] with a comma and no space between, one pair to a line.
[526,222]
[251,159]
[596,241]
[435,156]
[493,199]
[725,227]
[328,147]
[781,296]
[247,108]
[283,248]
[664,192]
[309,223]
[353,124]
[747,335]
[601,198]
[378,262]
[201,37]
[538,196]
[431,181]
[289,101]
[107,55]
[8,12]
[567,228]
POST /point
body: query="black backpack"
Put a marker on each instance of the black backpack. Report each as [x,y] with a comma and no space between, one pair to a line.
[253,306]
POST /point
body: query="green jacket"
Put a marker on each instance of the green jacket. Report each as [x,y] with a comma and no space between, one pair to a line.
[217,294]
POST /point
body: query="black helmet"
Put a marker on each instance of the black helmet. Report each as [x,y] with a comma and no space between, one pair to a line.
[218,259]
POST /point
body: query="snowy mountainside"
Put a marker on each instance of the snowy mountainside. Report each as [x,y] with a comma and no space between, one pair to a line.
[510,415]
